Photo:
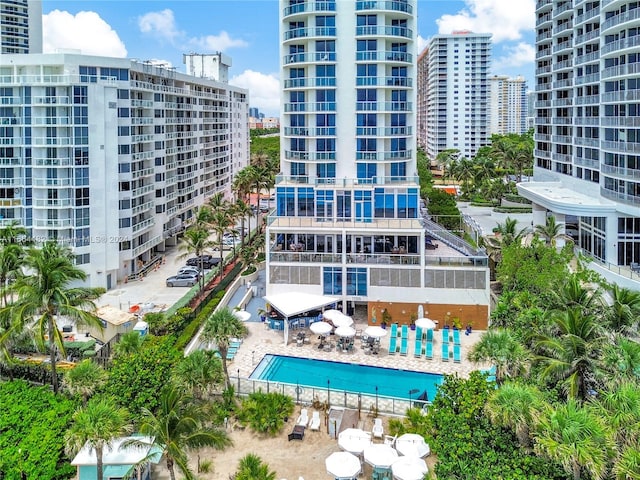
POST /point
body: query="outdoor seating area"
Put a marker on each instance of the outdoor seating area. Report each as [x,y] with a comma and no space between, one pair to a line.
[424,341]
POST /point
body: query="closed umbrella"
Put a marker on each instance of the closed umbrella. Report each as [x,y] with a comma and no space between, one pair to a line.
[411,444]
[354,440]
[409,468]
[242,315]
[375,332]
[343,465]
[425,323]
[345,331]
[379,455]
[320,328]
[343,321]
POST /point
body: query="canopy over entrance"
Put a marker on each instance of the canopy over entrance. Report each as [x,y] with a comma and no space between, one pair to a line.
[294,303]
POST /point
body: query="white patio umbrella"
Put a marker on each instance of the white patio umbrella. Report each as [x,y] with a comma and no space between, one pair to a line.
[345,331]
[343,321]
[425,323]
[375,331]
[242,315]
[354,440]
[320,328]
[343,465]
[379,455]
[409,468]
[411,444]
[331,314]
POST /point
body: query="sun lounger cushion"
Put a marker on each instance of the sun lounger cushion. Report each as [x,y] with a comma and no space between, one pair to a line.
[393,347]
[445,352]
[403,346]
[429,350]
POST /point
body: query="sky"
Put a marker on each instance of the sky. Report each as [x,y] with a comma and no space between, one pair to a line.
[247,31]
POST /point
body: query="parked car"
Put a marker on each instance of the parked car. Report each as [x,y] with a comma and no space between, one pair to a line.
[183,280]
[207,261]
[189,270]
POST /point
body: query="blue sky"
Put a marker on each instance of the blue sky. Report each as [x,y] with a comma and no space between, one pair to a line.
[247,30]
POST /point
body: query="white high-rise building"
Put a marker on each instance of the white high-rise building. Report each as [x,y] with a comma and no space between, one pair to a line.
[458,93]
[422,96]
[587,138]
[112,156]
[348,217]
[20,26]
[507,105]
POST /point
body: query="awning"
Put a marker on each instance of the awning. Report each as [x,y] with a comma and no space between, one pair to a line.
[295,303]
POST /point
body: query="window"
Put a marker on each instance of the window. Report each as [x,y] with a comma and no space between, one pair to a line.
[367,70]
[357,281]
[363,20]
[325,145]
[82,176]
[82,197]
[79,95]
[332,280]
[82,217]
[123,94]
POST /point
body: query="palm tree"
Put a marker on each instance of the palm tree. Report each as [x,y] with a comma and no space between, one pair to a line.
[11,254]
[199,371]
[577,438]
[242,185]
[517,406]
[243,211]
[620,407]
[45,294]
[97,425]
[573,293]
[196,240]
[446,161]
[177,426]
[570,351]
[627,465]
[622,316]
[505,234]
[251,467]
[220,328]
[221,222]
[500,348]
[128,344]
[622,359]
[551,231]
[84,379]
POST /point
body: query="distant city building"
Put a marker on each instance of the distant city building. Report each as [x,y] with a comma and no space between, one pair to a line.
[422,87]
[507,105]
[254,112]
[111,156]
[264,122]
[212,66]
[531,110]
[458,93]
[20,26]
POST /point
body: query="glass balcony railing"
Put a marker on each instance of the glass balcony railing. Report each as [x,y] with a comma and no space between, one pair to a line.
[378,56]
[310,32]
[307,7]
[384,30]
[396,6]
[384,81]
[310,82]
[314,57]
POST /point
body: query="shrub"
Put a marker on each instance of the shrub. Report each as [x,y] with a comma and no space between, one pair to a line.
[517,199]
[512,209]
[265,412]
[249,271]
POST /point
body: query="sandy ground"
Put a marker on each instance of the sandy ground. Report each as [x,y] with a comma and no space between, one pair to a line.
[289,459]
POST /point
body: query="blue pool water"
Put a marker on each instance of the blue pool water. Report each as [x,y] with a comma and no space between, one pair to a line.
[346,376]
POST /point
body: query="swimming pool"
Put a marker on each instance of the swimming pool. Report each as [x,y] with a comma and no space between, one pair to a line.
[351,377]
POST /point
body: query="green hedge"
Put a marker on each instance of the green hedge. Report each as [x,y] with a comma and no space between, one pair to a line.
[517,199]
[513,209]
[188,333]
[483,204]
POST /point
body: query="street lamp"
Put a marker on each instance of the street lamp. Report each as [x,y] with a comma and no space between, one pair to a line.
[328,393]
[376,398]
[253,352]
[238,382]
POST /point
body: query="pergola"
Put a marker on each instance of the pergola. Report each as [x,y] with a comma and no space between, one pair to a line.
[294,303]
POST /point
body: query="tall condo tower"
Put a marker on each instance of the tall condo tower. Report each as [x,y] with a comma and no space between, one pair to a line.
[20,26]
[507,105]
[458,93]
[347,220]
[587,138]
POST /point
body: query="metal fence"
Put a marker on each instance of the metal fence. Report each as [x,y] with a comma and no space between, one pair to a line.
[305,395]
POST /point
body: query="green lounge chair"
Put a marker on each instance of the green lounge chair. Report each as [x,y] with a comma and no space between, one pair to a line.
[429,350]
[417,350]
[403,346]
[394,330]
[445,336]
[393,347]
[456,336]
[429,335]
[405,331]
[456,353]
[445,352]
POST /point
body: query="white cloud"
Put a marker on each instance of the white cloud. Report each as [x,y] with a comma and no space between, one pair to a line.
[264,90]
[160,24]
[160,62]
[505,19]
[85,31]
[515,56]
[217,43]
[422,43]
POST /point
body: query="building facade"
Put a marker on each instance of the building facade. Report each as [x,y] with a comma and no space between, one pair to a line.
[587,138]
[348,220]
[422,86]
[458,93]
[84,137]
[20,26]
[507,105]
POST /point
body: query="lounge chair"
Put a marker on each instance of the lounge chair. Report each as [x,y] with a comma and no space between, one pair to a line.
[389,440]
[405,332]
[456,353]
[417,351]
[430,335]
[393,347]
[456,336]
[315,421]
[445,352]
[445,335]
[394,330]
[429,350]
[378,430]
[403,345]
[418,333]
[303,419]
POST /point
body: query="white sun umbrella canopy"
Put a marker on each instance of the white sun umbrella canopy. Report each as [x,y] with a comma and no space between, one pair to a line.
[331,314]
[342,321]
[242,315]
[343,465]
[411,444]
[320,328]
[345,331]
[375,331]
[379,455]
[409,468]
[425,323]
[354,440]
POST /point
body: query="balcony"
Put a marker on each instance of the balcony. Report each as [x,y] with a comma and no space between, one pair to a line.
[624,96]
[384,30]
[12,161]
[620,18]
[144,224]
[52,162]
[145,172]
[562,46]
[52,182]
[617,45]
[384,106]
[621,172]
[586,58]
[620,122]
[11,182]
[141,208]
[587,99]
[621,70]
[47,203]
[52,223]
[628,147]
[384,131]
[45,100]
[384,81]
[310,82]
[310,107]
[58,120]
[395,6]
[136,192]
[316,57]
[587,15]
[313,156]
[309,32]
[310,131]
[146,246]
[309,7]
[379,156]
[590,121]
[377,56]
[52,141]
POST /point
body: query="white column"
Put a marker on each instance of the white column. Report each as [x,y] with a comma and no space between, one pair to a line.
[560,220]
[539,215]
